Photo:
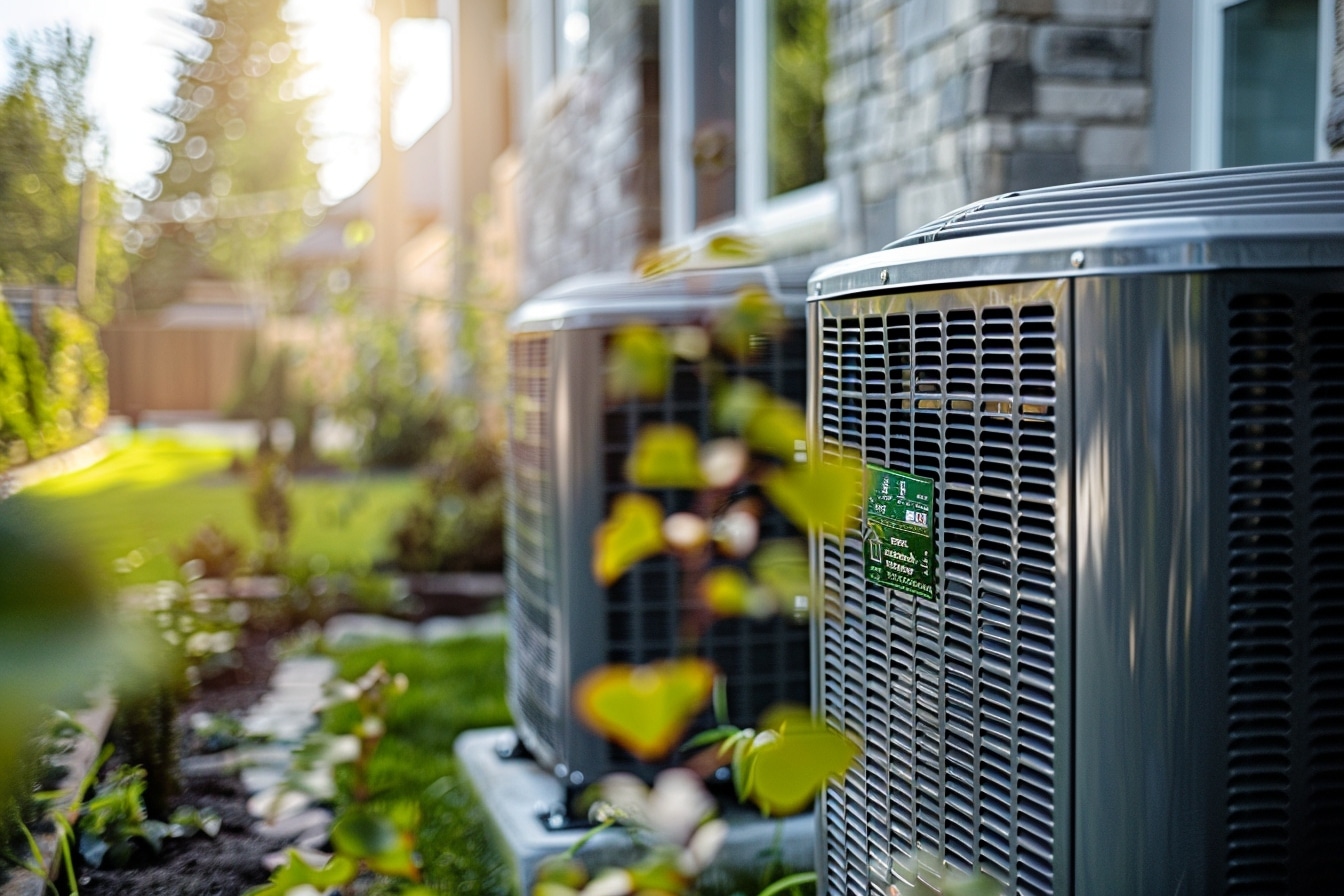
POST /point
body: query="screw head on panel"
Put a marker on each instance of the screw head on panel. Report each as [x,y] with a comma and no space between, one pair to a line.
[1077,258]
[884,275]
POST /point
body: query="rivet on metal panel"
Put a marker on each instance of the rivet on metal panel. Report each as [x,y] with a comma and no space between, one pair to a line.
[818,289]
[884,275]
[1077,259]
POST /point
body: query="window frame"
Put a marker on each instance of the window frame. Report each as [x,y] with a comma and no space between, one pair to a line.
[798,221]
[1207,94]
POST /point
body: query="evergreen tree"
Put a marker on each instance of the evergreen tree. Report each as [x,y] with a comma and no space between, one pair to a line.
[237,186]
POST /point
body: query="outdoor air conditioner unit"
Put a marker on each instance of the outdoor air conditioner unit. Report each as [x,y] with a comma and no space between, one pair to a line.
[566,452]
[1114,658]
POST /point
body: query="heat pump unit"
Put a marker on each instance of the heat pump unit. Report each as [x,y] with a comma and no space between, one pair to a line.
[1087,619]
[566,453]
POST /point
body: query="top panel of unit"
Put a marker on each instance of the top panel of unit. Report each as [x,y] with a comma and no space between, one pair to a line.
[607,300]
[1272,216]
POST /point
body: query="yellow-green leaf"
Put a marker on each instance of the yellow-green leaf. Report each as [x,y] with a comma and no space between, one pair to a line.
[736,403]
[725,591]
[632,532]
[815,495]
[781,567]
[653,263]
[639,364]
[665,455]
[784,768]
[645,709]
[777,427]
[733,248]
[752,319]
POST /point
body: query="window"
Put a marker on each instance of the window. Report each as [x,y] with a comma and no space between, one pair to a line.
[744,136]
[1265,81]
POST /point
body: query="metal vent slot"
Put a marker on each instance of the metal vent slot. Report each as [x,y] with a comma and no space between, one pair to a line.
[1285,802]
[534,687]
[958,729]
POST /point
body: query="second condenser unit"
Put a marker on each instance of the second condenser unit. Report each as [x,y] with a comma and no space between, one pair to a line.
[1087,618]
[567,448]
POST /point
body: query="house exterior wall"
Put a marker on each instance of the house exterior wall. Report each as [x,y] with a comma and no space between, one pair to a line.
[589,183]
[935,103]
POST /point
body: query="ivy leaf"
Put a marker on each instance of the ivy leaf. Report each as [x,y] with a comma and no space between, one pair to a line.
[653,263]
[295,873]
[639,364]
[769,424]
[777,427]
[753,317]
[815,495]
[734,249]
[386,846]
[781,567]
[665,455]
[645,709]
[633,532]
[725,591]
[784,767]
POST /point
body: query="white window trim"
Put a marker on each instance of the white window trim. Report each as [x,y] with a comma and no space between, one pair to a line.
[796,222]
[1206,145]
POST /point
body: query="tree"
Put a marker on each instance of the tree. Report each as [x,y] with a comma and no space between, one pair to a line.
[47,138]
[237,187]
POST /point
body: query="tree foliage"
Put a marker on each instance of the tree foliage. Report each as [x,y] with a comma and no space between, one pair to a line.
[236,186]
[47,139]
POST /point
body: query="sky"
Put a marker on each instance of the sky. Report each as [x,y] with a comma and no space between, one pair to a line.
[132,74]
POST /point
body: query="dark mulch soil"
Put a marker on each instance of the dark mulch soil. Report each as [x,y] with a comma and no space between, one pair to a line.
[231,862]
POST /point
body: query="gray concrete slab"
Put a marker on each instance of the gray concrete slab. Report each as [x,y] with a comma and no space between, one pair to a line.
[516,792]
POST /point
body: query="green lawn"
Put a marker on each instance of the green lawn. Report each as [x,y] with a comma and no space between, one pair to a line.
[154,491]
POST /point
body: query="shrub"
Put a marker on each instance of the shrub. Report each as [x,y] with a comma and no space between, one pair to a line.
[218,556]
[457,523]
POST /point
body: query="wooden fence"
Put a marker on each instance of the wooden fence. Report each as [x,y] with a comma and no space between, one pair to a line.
[152,368]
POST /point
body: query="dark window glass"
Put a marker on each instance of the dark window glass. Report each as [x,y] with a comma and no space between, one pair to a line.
[1269,82]
[795,130]
[714,143]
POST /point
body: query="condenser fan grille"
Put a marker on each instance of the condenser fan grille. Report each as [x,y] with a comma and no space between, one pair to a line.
[533,665]
[1285,795]
[953,698]
[765,661]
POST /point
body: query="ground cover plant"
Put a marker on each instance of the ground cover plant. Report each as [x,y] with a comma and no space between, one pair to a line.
[154,491]
[452,687]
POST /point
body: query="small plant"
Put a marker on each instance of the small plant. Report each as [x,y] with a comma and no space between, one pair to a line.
[209,553]
[115,829]
[381,838]
[272,509]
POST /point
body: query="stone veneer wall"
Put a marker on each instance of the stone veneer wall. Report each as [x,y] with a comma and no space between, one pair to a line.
[589,194]
[935,103]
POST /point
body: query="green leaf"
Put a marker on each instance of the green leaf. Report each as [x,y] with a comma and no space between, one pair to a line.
[633,532]
[384,845]
[751,320]
[733,248]
[778,427]
[725,591]
[295,872]
[782,770]
[781,566]
[645,709]
[639,363]
[815,496]
[665,455]
[736,403]
[656,262]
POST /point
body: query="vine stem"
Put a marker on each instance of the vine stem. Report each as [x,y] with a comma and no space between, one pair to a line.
[793,880]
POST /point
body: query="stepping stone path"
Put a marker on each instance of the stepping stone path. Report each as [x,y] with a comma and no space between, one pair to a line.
[288,712]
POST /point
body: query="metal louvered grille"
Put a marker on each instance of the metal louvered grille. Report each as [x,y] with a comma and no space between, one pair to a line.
[533,674]
[1285,798]
[766,662]
[953,699]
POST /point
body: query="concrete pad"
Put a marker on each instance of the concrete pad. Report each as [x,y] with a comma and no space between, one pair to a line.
[516,792]
[448,628]
[348,629]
